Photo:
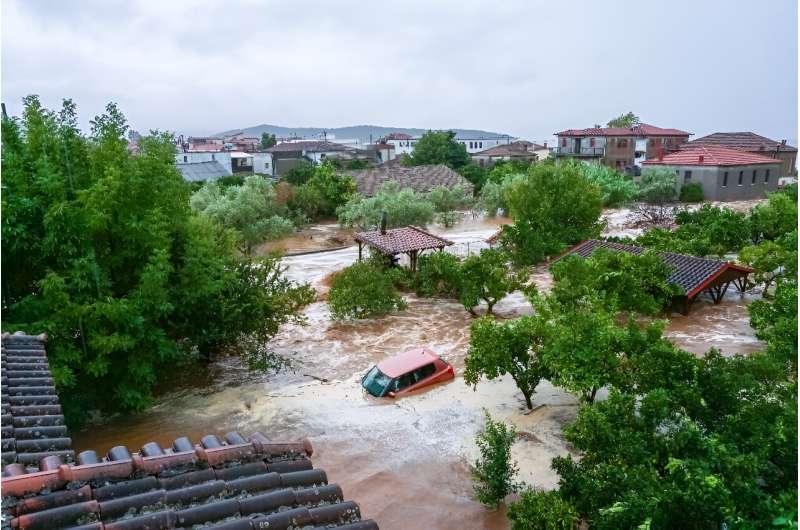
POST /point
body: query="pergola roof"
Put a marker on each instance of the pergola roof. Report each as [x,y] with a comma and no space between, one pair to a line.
[400,240]
[690,273]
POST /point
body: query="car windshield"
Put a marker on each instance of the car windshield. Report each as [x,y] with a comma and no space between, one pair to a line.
[376,382]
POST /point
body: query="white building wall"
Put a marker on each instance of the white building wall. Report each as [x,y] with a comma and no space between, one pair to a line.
[473,145]
[223,157]
[262,163]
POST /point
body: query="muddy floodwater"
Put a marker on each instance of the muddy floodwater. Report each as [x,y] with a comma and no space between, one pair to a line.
[405,461]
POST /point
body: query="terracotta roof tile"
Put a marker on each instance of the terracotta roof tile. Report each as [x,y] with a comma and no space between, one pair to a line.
[642,129]
[309,145]
[398,240]
[711,156]
[744,141]
[32,423]
[513,149]
[421,179]
[690,273]
[235,483]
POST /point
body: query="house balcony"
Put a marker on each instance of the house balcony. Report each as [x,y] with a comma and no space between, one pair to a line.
[579,151]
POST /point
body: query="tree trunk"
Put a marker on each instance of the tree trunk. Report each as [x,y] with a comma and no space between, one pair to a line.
[489,306]
[528,401]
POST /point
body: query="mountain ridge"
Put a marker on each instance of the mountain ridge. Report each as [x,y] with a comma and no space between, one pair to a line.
[361,132]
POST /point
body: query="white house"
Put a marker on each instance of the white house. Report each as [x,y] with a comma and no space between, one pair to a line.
[194,157]
[404,143]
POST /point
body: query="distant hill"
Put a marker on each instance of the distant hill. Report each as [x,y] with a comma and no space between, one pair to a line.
[362,132]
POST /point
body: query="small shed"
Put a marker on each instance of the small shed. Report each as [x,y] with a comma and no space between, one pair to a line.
[692,274]
[408,240]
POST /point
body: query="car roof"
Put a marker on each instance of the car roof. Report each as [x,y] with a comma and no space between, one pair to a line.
[400,364]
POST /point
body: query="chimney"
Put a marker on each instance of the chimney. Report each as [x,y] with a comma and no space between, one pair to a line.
[701,159]
[384,219]
[783,142]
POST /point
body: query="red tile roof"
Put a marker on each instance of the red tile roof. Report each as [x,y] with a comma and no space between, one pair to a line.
[690,273]
[421,179]
[306,145]
[711,156]
[642,129]
[235,484]
[398,136]
[32,423]
[744,141]
[399,240]
[520,148]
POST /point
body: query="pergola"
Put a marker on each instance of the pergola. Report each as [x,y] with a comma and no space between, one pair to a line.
[692,274]
[408,240]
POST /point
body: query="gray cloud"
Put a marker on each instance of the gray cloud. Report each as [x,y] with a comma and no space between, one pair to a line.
[528,68]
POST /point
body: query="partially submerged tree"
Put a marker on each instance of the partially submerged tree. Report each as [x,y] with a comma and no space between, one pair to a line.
[438,274]
[657,186]
[402,206]
[510,348]
[494,471]
[553,206]
[447,200]
[488,277]
[363,290]
[250,209]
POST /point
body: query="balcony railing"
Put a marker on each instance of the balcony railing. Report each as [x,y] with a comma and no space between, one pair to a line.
[583,151]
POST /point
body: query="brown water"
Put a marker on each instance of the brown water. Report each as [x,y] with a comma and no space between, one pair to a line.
[405,461]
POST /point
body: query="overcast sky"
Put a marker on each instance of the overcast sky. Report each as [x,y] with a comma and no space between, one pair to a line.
[527,68]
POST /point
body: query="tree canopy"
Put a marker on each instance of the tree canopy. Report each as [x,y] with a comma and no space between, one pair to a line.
[102,251]
[268,140]
[439,147]
[402,206]
[629,119]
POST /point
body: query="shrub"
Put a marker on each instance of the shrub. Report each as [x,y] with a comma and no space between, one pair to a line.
[299,174]
[494,471]
[437,275]
[616,188]
[363,290]
[402,206]
[657,186]
[542,510]
[691,192]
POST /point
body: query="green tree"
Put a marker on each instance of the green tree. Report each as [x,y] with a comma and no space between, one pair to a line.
[552,207]
[363,290]
[775,218]
[447,200]
[439,147]
[513,348]
[494,471]
[299,174]
[249,209]
[657,186]
[268,140]
[438,274]
[487,277]
[772,259]
[691,192]
[102,251]
[475,174]
[402,206]
[626,120]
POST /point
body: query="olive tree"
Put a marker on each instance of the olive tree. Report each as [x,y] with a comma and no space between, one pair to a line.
[488,277]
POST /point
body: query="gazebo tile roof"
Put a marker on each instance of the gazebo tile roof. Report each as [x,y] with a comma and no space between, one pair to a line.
[399,240]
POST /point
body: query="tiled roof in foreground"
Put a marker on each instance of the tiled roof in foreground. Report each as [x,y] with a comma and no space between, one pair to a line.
[690,273]
[405,239]
[32,423]
[236,484]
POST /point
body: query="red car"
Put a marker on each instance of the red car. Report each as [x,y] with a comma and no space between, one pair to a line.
[406,372]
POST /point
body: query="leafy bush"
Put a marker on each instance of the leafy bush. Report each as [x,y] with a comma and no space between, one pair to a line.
[657,186]
[494,471]
[616,188]
[475,174]
[553,206]
[691,192]
[102,251]
[363,290]
[542,510]
[446,199]
[493,198]
[249,209]
[438,274]
[775,218]
[299,174]
[402,206]
[439,147]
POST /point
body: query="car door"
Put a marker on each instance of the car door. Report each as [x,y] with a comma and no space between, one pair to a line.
[421,376]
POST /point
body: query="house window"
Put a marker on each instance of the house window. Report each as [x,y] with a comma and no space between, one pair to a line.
[755,173]
[185,158]
[623,142]
[725,180]
[741,177]
[481,146]
[563,142]
[591,142]
[766,176]
[687,176]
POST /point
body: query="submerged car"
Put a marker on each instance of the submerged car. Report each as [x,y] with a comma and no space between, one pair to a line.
[406,372]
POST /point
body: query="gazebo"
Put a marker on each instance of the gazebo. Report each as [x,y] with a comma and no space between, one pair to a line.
[692,274]
[408,240]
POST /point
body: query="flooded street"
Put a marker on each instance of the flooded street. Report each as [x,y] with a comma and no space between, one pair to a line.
[405,461]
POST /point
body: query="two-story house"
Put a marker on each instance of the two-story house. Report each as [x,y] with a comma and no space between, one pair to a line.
[623,148]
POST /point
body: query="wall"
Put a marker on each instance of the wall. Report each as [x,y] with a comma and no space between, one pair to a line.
[712,178]
[473,145]
[223,157]
[262,163]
